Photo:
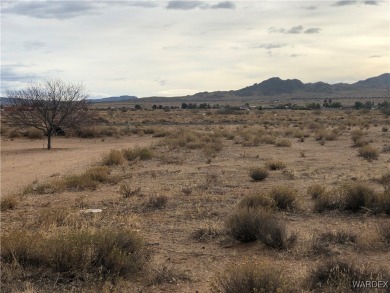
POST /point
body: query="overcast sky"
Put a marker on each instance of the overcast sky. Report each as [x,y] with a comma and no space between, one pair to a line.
[169,48]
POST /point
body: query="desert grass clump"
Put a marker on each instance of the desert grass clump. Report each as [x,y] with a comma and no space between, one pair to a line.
[251,277]
[78,182]
[258,173]
[285,197]
[99,174]
[283,143]
[114,157]
[48,217]
[275,165]
[337,275]
[339,237]
[359,196]
[368,152]
[257,200]
[248,225]
[207,232]
[384,232]
[127,191]
[384,180]
[33,133]
[330,200]
[156,202]
[316,190]
[139,153]
[357,138]
[8,202]
[76,255]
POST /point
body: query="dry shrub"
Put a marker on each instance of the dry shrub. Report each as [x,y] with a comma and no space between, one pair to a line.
[79,182]
[127,191]
[338,275]
[384,180]
[275,165]
[285,197]
[339,237]
[207,232]
[76,255]
[8,202]
[142,154]
[156,202]
[358,196]
[384,232]
[368,152]
[34,133]
[330,200]
[323,134]
[248,225]
[165,274]
[251,277]
[258,173]
[257,200]
[283,143]
[357,138]
[354,197]
[316,190]
[114,157]
[53,217]
[386,148]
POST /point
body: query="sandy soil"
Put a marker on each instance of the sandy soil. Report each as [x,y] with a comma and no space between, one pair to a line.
[23,160]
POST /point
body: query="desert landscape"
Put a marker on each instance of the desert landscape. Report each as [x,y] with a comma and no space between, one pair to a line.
[203,200]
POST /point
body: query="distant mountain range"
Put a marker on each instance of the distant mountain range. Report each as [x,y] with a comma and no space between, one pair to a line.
[277,86]
[113,99]
[273,88]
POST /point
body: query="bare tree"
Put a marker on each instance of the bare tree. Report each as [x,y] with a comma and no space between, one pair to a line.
[49,106]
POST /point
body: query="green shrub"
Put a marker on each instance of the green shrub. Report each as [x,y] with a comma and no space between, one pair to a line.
[368,152]
[258,173]
[248,225]
[251,277]
[114,157]
[285,197]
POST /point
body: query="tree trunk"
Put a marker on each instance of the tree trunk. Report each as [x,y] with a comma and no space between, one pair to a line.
[49,140]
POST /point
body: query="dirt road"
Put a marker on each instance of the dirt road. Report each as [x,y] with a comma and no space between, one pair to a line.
[23,161]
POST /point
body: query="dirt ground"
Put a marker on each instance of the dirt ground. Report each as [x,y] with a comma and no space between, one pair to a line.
[202,191]
[24,161]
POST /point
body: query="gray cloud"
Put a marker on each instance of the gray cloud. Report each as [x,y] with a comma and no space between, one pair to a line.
[312,7]
[188,5]
[270,46]
[372,2]
[184,5]
[30,46]
[17,72]
[224,5]
[51,9]
[294,30]
[67,9]
[345,3]
[312,30]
